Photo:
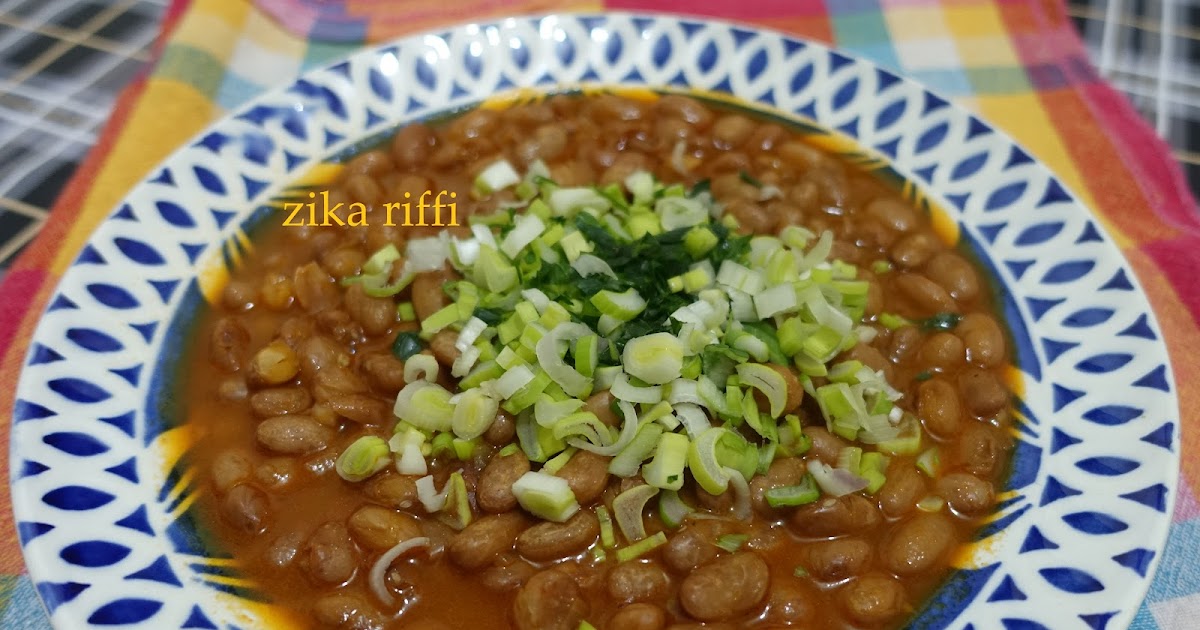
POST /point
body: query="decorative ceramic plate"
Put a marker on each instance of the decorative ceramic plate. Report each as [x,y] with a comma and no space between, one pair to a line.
[103,500]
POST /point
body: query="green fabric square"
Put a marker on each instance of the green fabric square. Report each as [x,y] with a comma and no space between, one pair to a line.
[998,80]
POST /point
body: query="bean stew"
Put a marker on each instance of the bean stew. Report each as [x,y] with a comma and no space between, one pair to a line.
[674,367]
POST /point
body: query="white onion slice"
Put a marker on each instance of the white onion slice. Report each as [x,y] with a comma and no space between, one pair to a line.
[378,576]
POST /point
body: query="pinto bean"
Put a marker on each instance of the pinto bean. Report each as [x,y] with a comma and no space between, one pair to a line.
[694,545]
[954,274]
[427,294]
[926,296]
[346,612]
[361,408]
[601,404]
[983,339]
[246,508]
[384,372]
[785,471]
[279,401]
[315,290]
[276,291]
[894,213]
[340,325]
[903,489]
[983,392]
[942,351]
[913,250]
[319,352]
[494,490]
[228,469]
[276,473]
[412,144]
[375,315]
[379,528]
[731,130]
[638,582]
[335,381]
[966,493]
[869,357]
[905,341]
[835,517]
[938,407]
[369,163]
[727,587]
[550,600]
[293,435]
[398,492]
[982,449]
[274,364]
[501,431]
[918,544]
[684,108]
[752,217]
[825,445]
[836,560]
[874,600]
[346,261]
[228,343]
[443,348]
[330,556]
[638,616]
[483,540]
[239,295]
[507,577]
[587,474]
[791,603]
[555,541]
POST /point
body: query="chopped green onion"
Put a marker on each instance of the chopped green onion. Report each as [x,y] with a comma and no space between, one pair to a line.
[425,405]
[473,414]
[629,460]
[769,382]
[627,511]
[622,306]
[942,321]
[607,537]
[555,464]
[732,542]
[421,367]
[892,321]
[496,176]
[622,389]
[800,572]
[655,359]
[790,496]
[458,502]
[671,509]
[666,469]
[930,462]
[641,547]
[405,312]
[931,504]
[546,496]
[702,461]
[364,457]
[406,345]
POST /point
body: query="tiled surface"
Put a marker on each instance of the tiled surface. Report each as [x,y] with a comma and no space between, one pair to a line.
[62,64]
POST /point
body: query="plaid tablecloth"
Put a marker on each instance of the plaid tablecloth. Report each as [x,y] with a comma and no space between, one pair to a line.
[1018,63]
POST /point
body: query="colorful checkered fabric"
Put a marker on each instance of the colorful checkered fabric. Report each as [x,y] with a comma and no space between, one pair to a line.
[1018,63]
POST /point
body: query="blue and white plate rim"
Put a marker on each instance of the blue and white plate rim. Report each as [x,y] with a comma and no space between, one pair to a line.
[33,384]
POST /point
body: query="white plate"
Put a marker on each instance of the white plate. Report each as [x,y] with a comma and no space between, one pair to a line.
[102,501]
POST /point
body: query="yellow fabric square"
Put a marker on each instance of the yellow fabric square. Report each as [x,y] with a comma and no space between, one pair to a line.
[915,22]
[986,51]
[974,21]
[213,26]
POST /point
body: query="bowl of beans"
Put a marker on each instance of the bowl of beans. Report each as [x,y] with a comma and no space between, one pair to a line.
[610,322]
